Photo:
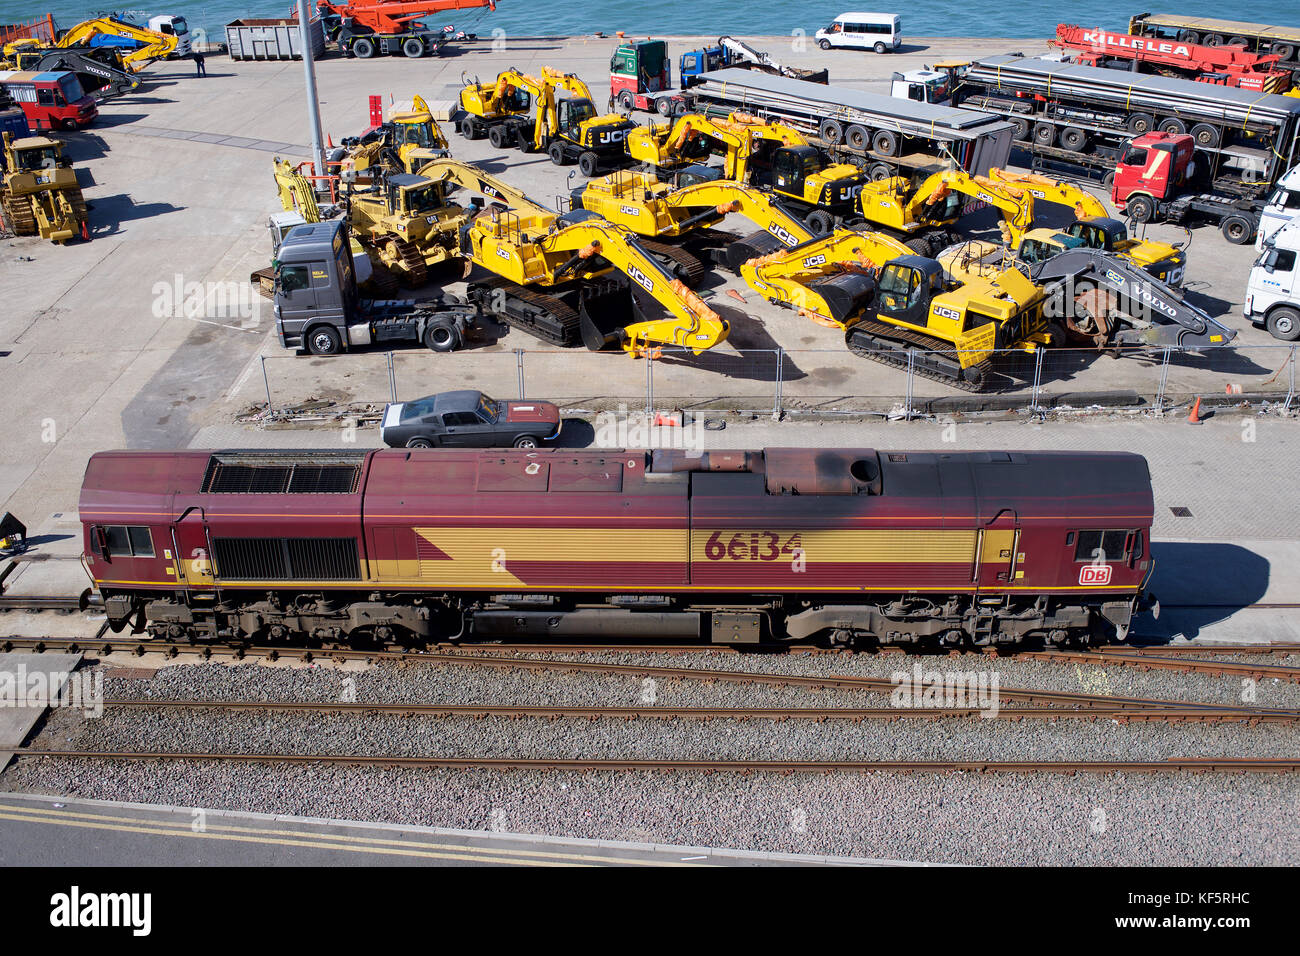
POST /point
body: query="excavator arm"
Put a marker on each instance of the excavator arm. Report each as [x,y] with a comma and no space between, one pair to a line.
[831,280]
[153,45]
[1084,204]
[1123,304]
[1014,202]
[470,177]
[689,322]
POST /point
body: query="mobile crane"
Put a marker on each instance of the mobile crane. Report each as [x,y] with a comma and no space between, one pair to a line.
[367,28]
[766,154]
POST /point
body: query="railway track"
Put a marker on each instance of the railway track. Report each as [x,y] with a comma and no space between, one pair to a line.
[1117,712]
[1191,764]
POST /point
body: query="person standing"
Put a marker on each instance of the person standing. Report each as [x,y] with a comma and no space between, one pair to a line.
[199,68]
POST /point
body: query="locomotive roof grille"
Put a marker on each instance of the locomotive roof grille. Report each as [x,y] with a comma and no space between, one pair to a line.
[275,475]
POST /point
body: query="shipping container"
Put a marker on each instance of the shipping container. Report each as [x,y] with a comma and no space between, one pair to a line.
[272,39]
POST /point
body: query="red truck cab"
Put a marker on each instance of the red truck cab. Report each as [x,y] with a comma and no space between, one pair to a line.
[1153,168]
[50,100]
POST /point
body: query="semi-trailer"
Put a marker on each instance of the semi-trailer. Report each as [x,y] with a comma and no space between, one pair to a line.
[1235,144]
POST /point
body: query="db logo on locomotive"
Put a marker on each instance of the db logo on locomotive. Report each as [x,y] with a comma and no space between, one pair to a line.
[1095,574]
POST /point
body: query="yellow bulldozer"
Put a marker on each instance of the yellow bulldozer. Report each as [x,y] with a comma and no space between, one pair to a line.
[755,152]
[39,193]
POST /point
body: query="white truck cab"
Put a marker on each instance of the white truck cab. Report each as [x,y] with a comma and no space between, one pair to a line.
[173,26]
[1283,205]
[1273,289]
[881,32]
[921,86]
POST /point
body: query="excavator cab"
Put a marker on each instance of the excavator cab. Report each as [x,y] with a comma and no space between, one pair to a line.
[573,112]
[1035,249]
[907,284]
[1104,233]
[791,167]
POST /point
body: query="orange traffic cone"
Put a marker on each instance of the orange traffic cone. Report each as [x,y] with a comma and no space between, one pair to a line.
[1195,417]
[735,295]
[329,139]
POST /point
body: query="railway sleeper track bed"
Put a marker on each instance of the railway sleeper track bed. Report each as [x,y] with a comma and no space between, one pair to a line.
[1118,713]
[1174,764]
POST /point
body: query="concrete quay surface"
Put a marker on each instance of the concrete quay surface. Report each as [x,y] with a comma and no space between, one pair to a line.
[98,352]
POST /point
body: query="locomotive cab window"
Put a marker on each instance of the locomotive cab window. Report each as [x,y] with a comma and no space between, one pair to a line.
[1106,545]
[128,541]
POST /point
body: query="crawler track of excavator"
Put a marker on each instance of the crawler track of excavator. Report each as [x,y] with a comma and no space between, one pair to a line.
[560,326]
[934,358]
[679,263]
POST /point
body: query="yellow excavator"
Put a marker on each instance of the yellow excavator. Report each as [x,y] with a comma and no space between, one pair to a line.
[655,211]
[107,70]
[576,278]
[897,308]
[408,137]
[924,216]
[755,152]
[487,105]
[39,193]
[1092,228]
[558,118]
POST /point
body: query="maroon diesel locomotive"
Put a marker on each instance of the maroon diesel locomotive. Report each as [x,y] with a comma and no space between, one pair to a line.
[849,546]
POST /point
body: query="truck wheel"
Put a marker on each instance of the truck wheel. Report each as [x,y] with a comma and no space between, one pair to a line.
[1172,124]
[441,337]
[499,137]
[1212,39]
[1140,208]
[824,44]
[324,340]
[1074,139]
[1140,123]
[412,47]
[557,154]
[885,142]
[1205,135]
[625,101]
[589,164]
[1284,51]
[831,131]
[1237,230]
[820,222]
[664,106]
[363,48]
[528,441]
[880,47]
[1284,324]
[1044,134]
[1022,128]
[878,171]
[1239,41]
[858,136]
[476,128]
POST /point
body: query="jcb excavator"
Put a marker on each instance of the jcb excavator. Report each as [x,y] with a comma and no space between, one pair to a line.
[487,105]
[104,71]
[39,193]
[408,138]
[561,120]
[558,278]
[1092,228]
[766,154]
[655,210]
